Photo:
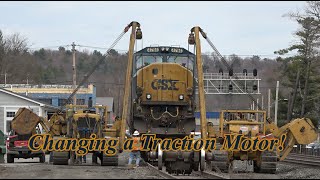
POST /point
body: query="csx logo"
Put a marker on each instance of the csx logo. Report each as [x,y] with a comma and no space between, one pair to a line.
[164,84]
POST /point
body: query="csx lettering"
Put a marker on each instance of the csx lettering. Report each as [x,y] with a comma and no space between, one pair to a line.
[164,84]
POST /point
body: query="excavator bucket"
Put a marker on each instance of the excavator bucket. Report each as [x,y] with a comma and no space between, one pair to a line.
[24,121]
[303,131]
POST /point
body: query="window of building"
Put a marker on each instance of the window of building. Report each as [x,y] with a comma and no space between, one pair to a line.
[61,102]
[80,102]
[48,101]
[8,124]
[11,114]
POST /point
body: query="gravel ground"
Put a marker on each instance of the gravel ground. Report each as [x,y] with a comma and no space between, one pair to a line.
[289,171]
[30,168]
[284,171]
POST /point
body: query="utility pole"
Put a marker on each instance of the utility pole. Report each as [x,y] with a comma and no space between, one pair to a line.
[289,104]
[276,105]
[262,107]
[253,105]
[28,79]
[74,72]
[269,97]
[5,77]
[257,118]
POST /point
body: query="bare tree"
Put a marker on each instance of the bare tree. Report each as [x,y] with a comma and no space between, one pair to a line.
[16,44]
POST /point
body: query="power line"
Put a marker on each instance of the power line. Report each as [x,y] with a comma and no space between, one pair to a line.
[49,47]
[203,54]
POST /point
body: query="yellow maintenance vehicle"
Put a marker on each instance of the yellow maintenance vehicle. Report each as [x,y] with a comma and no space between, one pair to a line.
[82,122]
[252,124]
[249,123]
[79,121]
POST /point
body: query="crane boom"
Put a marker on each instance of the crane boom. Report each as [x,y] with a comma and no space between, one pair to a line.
[134,25]
[202,103]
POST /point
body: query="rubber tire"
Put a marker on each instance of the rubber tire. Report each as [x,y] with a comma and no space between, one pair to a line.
[10,158]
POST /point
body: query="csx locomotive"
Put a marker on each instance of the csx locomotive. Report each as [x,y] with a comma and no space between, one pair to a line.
[163,102]
[163,91]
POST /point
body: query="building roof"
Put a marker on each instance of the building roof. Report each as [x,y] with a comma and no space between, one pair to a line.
[105,101]
[47,88]
[40,103]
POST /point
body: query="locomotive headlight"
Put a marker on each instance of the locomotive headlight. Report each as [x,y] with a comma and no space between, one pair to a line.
[181,97]
[148,96]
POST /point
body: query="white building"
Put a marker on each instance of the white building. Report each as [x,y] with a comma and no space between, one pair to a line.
[10,103]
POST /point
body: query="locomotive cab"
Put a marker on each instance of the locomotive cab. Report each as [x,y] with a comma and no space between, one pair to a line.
[163,91]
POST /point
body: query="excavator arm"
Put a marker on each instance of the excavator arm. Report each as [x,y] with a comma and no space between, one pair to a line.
[26,121]
[298,131]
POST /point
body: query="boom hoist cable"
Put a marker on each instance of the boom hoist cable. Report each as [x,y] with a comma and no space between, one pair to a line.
[96,66]
[204,35]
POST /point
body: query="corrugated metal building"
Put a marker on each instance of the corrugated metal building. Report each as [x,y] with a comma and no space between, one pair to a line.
[107,101]
[55,95]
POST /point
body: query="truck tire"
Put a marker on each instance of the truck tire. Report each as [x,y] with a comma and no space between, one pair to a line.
[42,158]
[10,158]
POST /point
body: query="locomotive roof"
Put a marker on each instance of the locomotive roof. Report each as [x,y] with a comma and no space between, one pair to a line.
[164,49]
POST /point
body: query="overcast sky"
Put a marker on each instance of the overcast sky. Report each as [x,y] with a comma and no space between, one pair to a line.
[244,28]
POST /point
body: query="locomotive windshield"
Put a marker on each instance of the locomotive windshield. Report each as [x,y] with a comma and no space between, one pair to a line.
[142,60]
[164,55]
[185,61]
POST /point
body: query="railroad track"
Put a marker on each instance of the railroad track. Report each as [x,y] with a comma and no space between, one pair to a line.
[209,175]
[163,174]
[304,156]
[194,174]
[306,160]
